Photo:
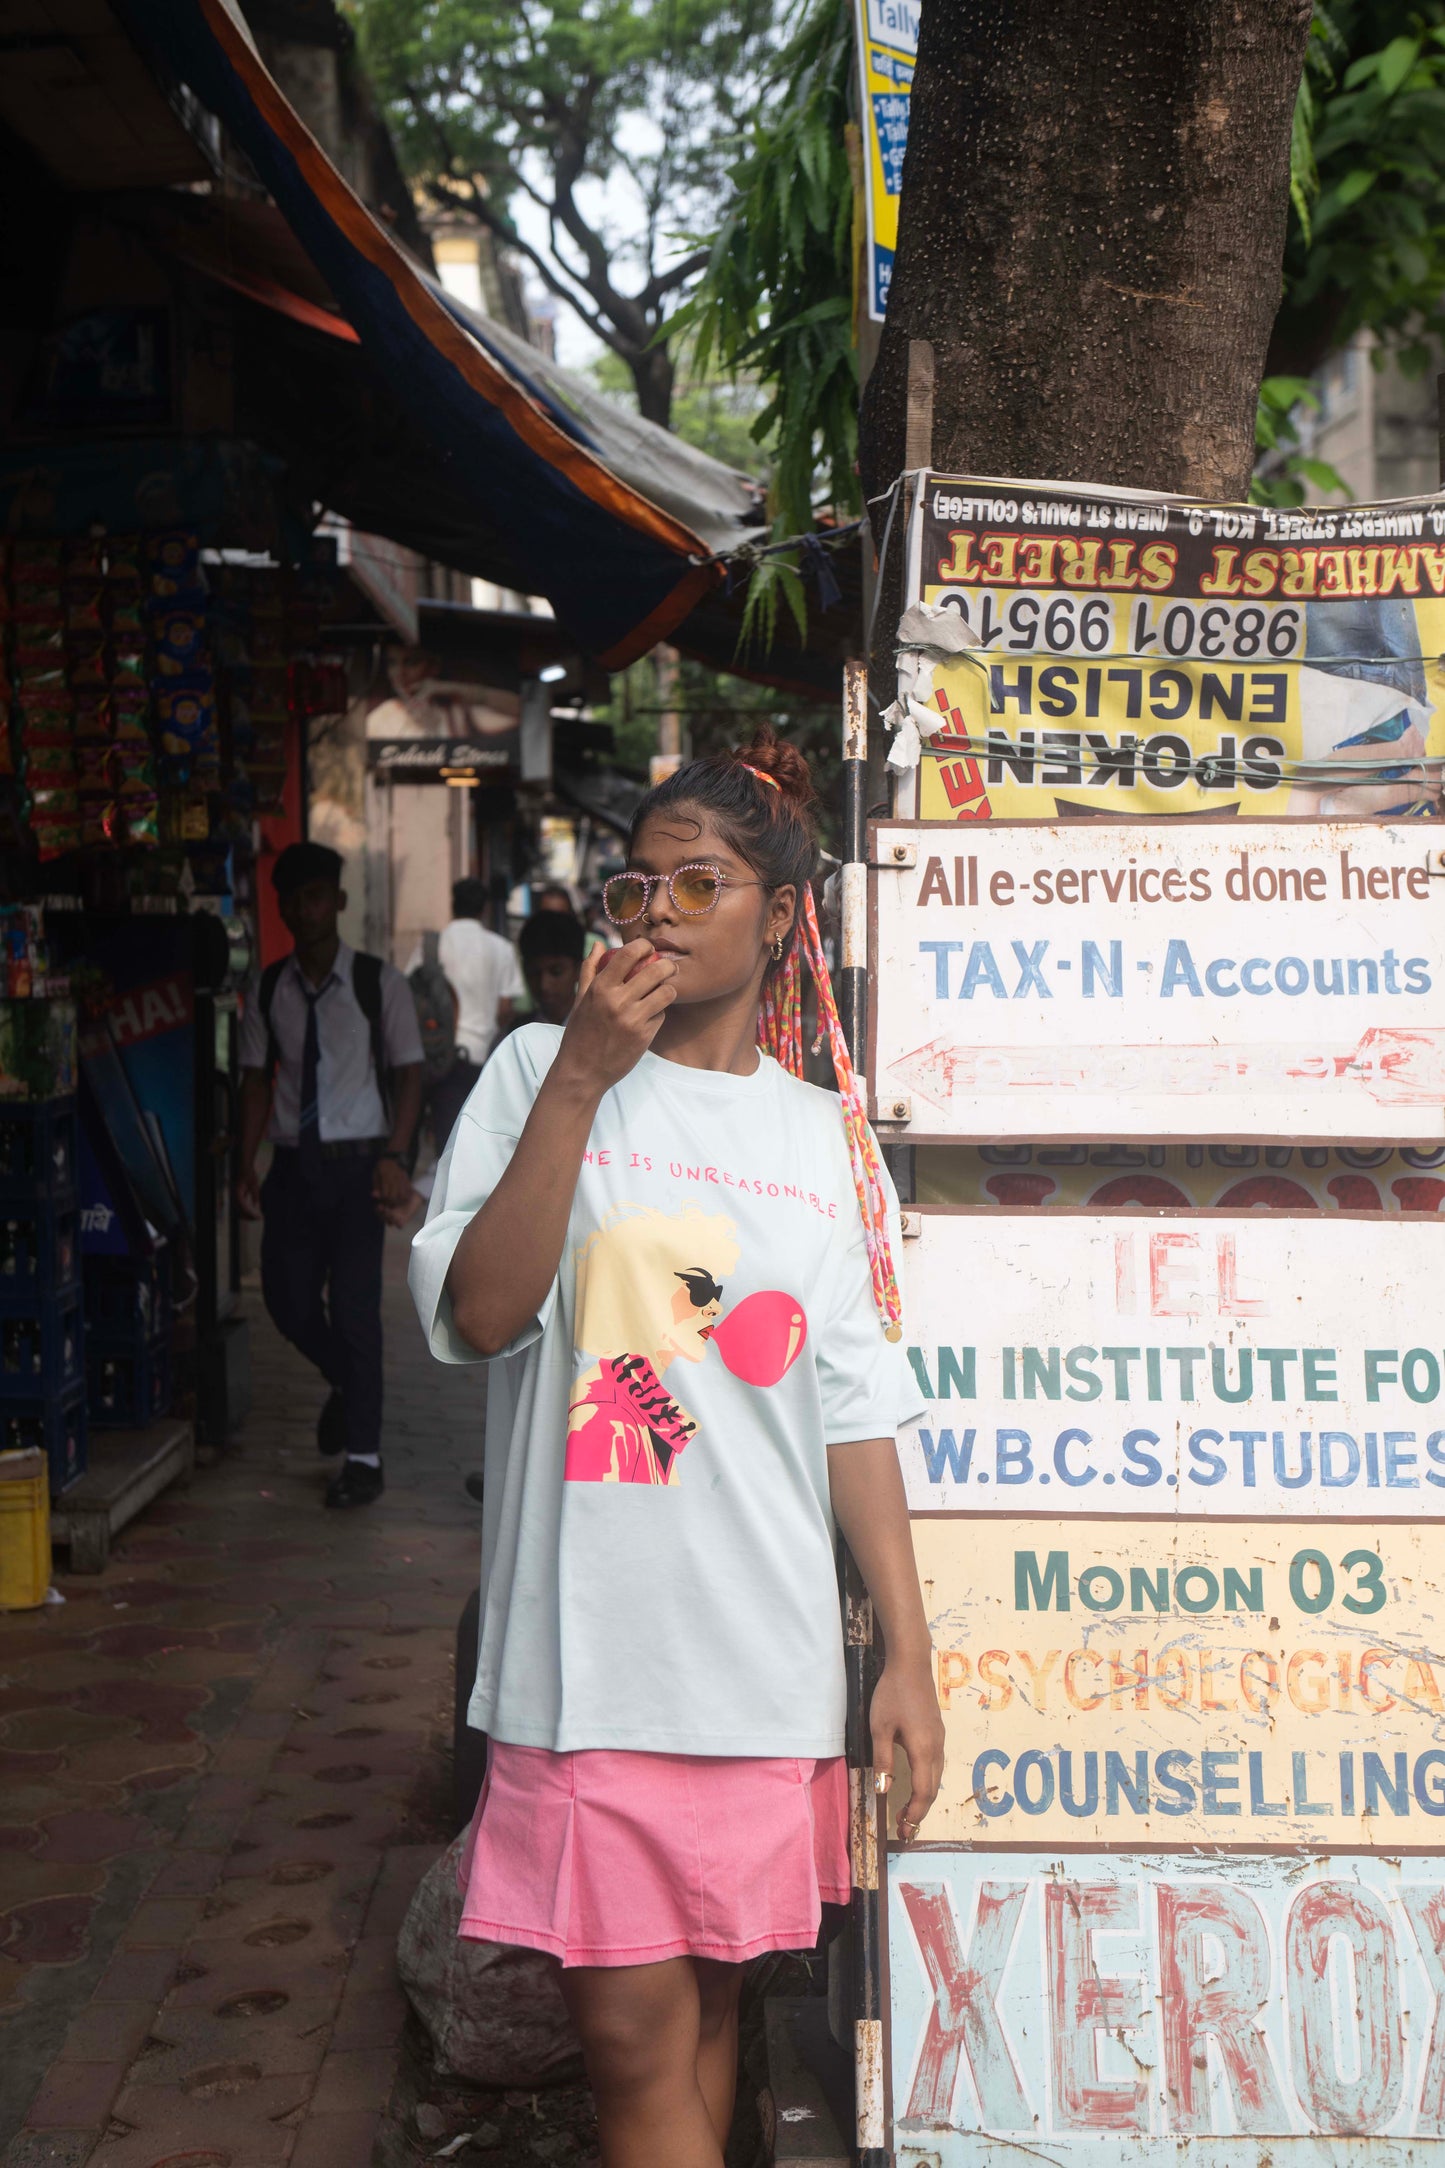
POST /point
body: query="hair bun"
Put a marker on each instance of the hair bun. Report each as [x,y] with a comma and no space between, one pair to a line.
[787,766]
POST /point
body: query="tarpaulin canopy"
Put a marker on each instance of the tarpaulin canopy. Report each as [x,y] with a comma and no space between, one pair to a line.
[612,519]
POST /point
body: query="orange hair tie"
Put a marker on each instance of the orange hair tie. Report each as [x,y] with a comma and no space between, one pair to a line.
[761,774]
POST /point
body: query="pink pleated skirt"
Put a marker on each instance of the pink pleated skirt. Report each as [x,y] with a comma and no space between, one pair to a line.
[607,1858]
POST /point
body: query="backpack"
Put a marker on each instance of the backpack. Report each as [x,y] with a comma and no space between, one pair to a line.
[431,990]
[365,984]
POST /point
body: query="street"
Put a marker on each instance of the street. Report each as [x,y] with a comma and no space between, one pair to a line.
[225,1766]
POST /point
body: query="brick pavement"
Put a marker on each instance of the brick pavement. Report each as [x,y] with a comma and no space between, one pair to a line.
[224,1765]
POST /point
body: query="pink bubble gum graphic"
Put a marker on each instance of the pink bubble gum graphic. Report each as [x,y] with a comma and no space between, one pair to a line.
[761,1339]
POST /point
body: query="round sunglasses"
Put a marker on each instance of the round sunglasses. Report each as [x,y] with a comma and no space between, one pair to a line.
[694,889]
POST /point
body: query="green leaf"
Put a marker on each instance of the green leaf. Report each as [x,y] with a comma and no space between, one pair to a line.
[1318,471]
[1395,63]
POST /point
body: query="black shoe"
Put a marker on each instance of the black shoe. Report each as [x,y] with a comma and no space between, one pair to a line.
[358,1484]
[331,1427]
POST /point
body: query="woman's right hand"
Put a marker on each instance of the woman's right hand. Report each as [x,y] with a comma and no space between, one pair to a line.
[624,995]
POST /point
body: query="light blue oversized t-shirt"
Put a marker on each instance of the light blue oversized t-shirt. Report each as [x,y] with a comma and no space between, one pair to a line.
[657,1546]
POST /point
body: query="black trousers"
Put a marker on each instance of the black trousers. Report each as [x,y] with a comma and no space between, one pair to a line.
[321,1249]
[448,1096]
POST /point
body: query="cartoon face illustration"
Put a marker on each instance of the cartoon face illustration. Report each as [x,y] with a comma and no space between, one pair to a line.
[650,1291]
[651,1283]
[695,1307]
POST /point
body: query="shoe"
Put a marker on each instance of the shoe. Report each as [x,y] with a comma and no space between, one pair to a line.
[359,1484]
[331,1427]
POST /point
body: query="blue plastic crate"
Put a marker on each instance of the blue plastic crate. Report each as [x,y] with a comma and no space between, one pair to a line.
[38,1149]
[127,1387]
[42,1346]
[128,1297]
[57,1426]
[39,1247]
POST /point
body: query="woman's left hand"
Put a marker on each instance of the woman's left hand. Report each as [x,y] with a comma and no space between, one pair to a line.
[905,1713]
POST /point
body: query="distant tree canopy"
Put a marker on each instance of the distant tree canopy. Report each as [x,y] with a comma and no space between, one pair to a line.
[1365,247]
[496,101]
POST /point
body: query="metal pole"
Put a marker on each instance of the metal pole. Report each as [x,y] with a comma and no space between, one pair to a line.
[864,1912]
[853,879]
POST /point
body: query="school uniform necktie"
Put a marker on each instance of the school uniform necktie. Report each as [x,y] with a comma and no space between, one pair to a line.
[309,1132]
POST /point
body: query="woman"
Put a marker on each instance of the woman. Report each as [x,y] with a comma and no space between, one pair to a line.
[654,1234]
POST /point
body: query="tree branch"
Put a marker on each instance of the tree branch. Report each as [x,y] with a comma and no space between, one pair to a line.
[475,205]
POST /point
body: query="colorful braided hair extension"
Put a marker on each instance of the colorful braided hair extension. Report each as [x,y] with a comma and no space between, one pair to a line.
[780,1032]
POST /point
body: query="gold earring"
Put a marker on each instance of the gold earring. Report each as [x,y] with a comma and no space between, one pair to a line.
[778,945]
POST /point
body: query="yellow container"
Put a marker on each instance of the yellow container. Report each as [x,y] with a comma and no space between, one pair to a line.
[24,1530]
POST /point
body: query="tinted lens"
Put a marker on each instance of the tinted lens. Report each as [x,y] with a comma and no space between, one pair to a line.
[624,897]
[696,888]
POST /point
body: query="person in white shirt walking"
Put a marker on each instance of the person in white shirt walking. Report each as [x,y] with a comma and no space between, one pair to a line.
[331,1053]
[484,975]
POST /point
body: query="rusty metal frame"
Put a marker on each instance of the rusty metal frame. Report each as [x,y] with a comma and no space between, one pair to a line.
[867,1965]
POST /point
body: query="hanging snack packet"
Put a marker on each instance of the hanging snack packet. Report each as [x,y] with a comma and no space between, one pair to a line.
[140,812]
[42,685]
[128,659]
[83,610]
[85,557]
[127,608]
[92,718]
[51,767]
[185,715]
[32,560]
[124,558]
[87,662]
[100,821]
[175,568]
[180,637]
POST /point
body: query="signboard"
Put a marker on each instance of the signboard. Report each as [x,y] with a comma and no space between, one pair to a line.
[436,760]
[1184,1177]
[1142,654]
[1173,1364]
[1071,981]
[887,49]
[1187,1682]
[1149,2009]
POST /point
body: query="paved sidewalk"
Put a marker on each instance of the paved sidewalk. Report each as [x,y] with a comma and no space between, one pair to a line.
[224,1764]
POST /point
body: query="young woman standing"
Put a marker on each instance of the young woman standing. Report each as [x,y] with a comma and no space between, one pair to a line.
[653,1232]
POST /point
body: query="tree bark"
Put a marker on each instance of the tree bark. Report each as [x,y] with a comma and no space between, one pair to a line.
[1090,235]
[652,374]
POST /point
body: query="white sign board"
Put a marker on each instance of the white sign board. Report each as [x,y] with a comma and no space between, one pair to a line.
[1170,1363]
[1195,979]
[1147,2010]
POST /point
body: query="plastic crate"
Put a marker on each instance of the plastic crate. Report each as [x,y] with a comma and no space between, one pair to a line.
[56,1426]
[128,1297]
[39,1247]
[42,1346]
[127,1387]
[38,1149]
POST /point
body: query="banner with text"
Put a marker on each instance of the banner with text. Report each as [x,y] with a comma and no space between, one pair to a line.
[887,52]
[1256,1366]
[1184,1177]
[1141,655]
[1160,983]
[1220,2011]
[1187,1682]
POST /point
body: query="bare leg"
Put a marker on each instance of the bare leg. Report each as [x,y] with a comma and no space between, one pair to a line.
[719,1991]
[640,2028]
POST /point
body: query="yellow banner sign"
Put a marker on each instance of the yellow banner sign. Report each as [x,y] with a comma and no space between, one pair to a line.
[1214,1683]
[887,45]
[1139,655]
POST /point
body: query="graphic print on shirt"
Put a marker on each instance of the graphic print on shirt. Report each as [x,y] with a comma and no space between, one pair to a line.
[650,1288]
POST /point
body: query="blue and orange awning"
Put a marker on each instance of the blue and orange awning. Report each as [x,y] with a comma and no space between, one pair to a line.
[620,570]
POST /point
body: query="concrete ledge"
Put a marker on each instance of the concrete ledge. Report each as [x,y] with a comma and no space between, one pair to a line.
[805,2110]
[127,1469]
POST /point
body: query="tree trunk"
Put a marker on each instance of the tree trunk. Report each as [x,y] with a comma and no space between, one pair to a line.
[652,374]
[1091,233]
